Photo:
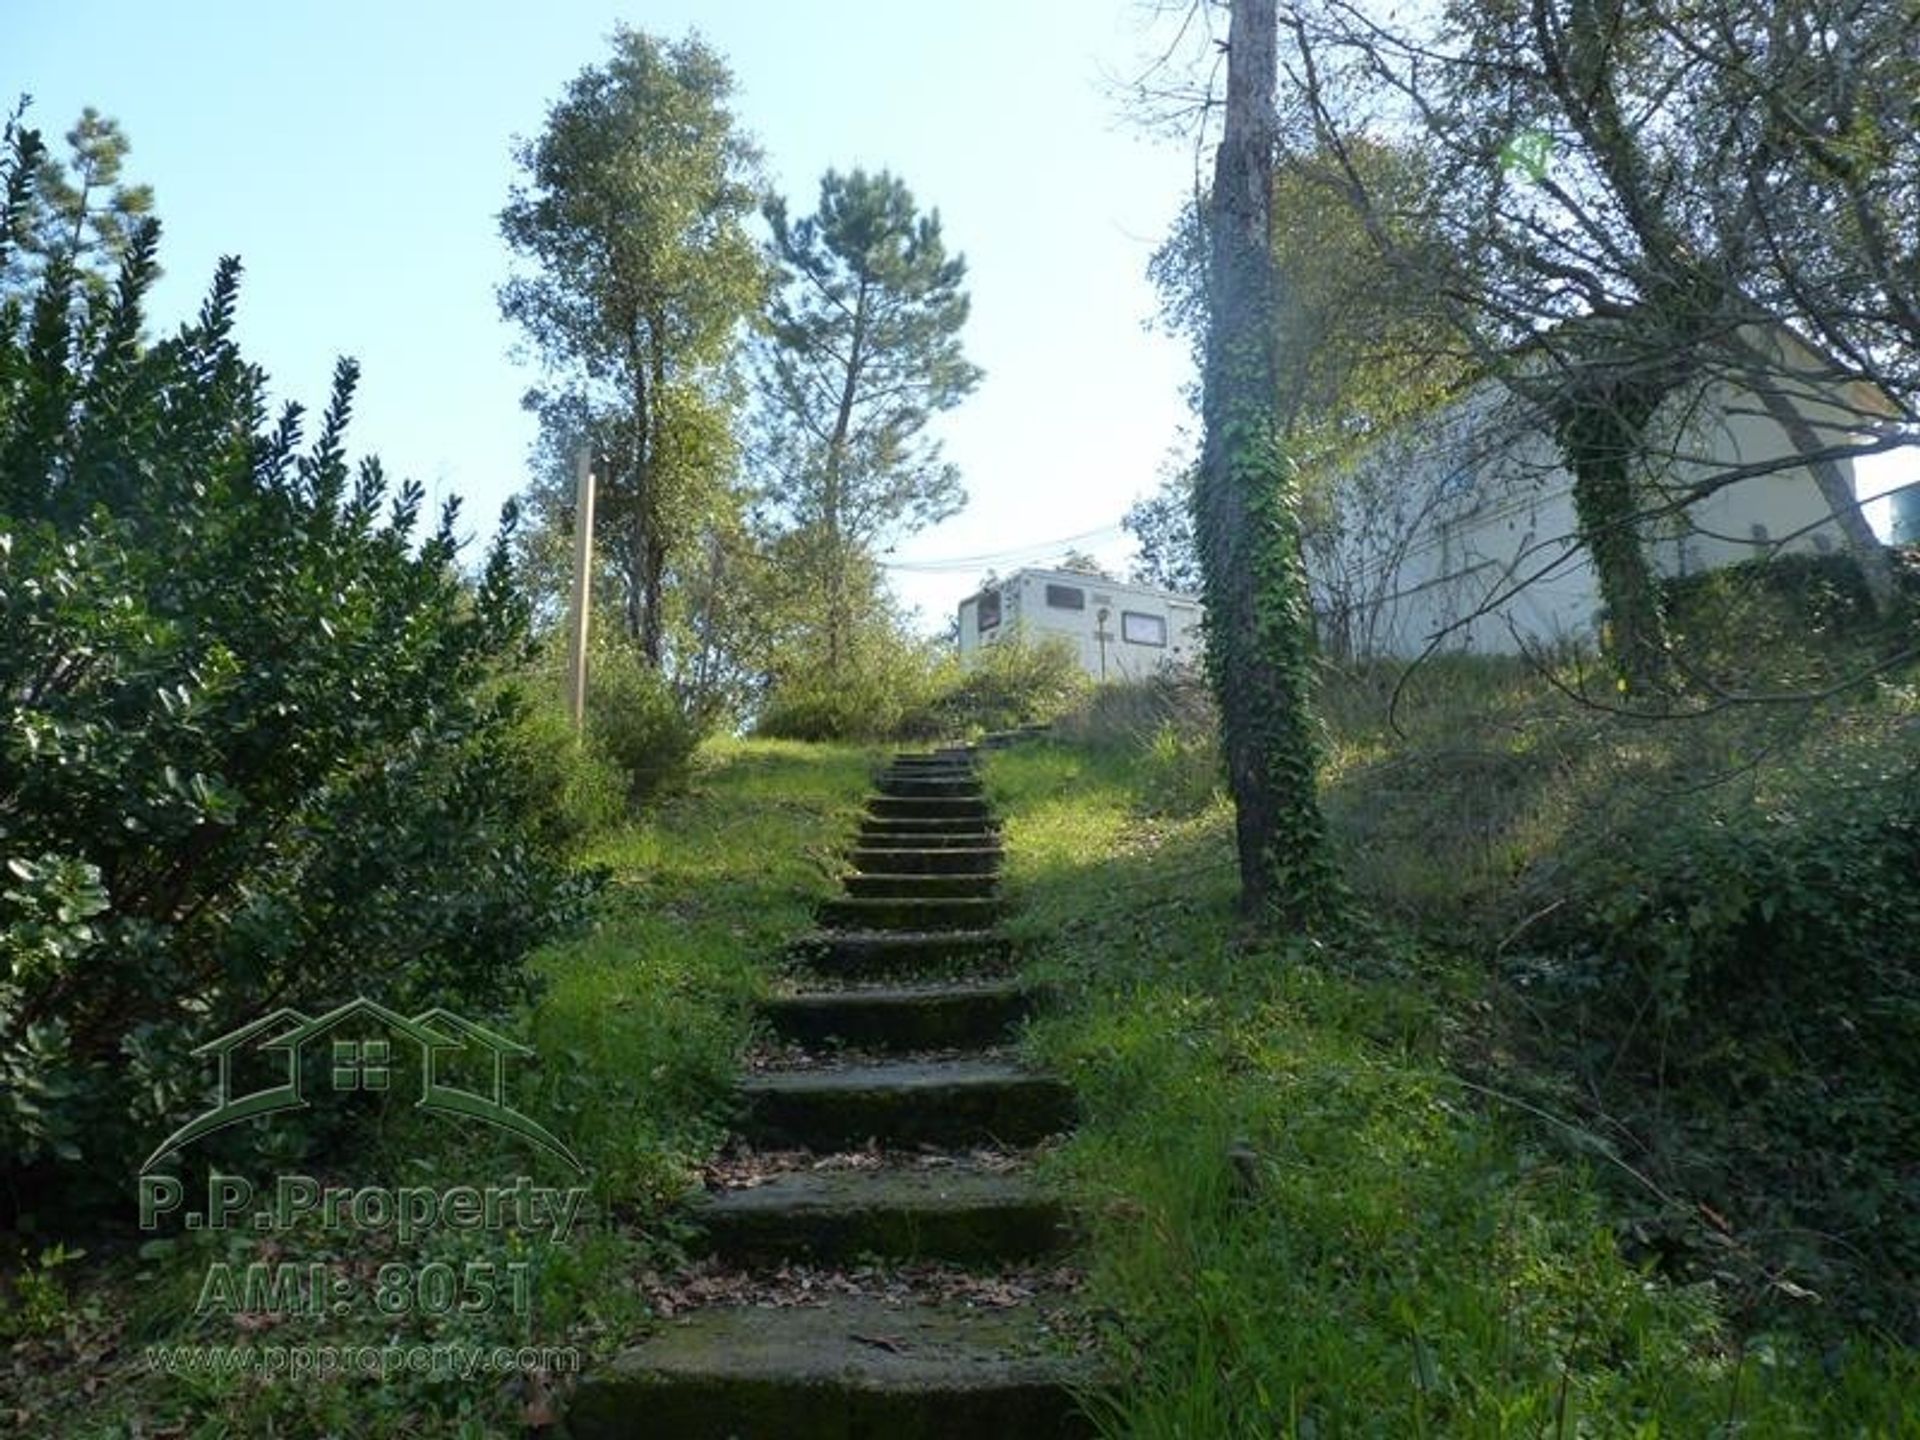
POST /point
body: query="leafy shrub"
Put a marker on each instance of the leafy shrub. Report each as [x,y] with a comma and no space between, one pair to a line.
[251,747]
[1792,622]
[897,690]
[1825,590]
[1748,971]
[636,722]
[568,791]
[1015,681]
[885,691]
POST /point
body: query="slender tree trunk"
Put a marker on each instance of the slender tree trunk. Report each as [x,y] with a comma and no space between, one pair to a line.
[649,416]
[1861,542]
[634,552]
[838,621]
[652,617]
[1259,624]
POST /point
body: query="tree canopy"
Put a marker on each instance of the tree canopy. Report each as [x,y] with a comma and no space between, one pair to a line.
[631,213]
[862,351]
[77,211]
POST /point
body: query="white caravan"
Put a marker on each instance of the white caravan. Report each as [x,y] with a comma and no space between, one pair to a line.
[1119,631]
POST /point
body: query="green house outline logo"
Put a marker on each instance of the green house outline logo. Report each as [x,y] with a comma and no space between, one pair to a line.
[372,1065]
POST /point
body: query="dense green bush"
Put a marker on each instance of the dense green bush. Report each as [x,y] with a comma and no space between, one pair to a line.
[883,692]
[253,751]
[568,791]
[899,689]
[637,723]
[1737,980]
[1792,622]
[1015,681]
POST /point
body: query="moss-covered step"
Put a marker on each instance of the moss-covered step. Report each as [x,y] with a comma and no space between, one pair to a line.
[931,787]
[934,773]
[853,1369]
[953,1213]
[927,807]
[867,955]
[944,1102]
[908,885]
[940,834]
[852,912]
[933,824]
[905,1017]
[910,859]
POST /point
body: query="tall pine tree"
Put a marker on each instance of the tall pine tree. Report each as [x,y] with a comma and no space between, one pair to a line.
[863,351]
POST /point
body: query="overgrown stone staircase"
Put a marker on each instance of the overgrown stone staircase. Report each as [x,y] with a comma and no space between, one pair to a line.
[891,1037]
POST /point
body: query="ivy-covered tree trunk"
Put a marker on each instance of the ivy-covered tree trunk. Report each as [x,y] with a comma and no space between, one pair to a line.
[1602,434]
[1246,509]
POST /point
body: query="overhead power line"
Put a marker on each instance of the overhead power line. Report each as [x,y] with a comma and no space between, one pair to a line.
[996,557]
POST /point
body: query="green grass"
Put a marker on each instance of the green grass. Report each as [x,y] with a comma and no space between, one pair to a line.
[638,1034]
[644,1018]
[1392,1252]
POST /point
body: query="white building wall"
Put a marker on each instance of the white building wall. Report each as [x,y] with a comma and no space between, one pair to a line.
[1461,531]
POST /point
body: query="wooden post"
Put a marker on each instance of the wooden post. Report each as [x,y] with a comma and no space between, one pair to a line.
[582,588]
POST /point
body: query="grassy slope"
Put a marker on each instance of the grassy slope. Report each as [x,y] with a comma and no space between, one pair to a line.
[638,1033]
[1402,1257]
[645,1017]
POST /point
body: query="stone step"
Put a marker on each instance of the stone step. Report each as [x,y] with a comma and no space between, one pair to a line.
[907,859]
[853,955]
[930,822]
[922,886]
[927,807]
[953,1213]
[928,784]
[930,787]
[880,913]
[853,1369]
[906,1017]
[920,825]
[904,1103]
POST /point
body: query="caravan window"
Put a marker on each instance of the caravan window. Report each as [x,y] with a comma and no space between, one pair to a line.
[1138,629]
[986,615]
[1066,597]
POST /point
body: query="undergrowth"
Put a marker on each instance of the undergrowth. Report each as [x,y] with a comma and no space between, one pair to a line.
[638,1035]
[1308,1217]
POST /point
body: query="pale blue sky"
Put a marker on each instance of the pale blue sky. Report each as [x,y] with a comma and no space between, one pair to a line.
[356,154]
